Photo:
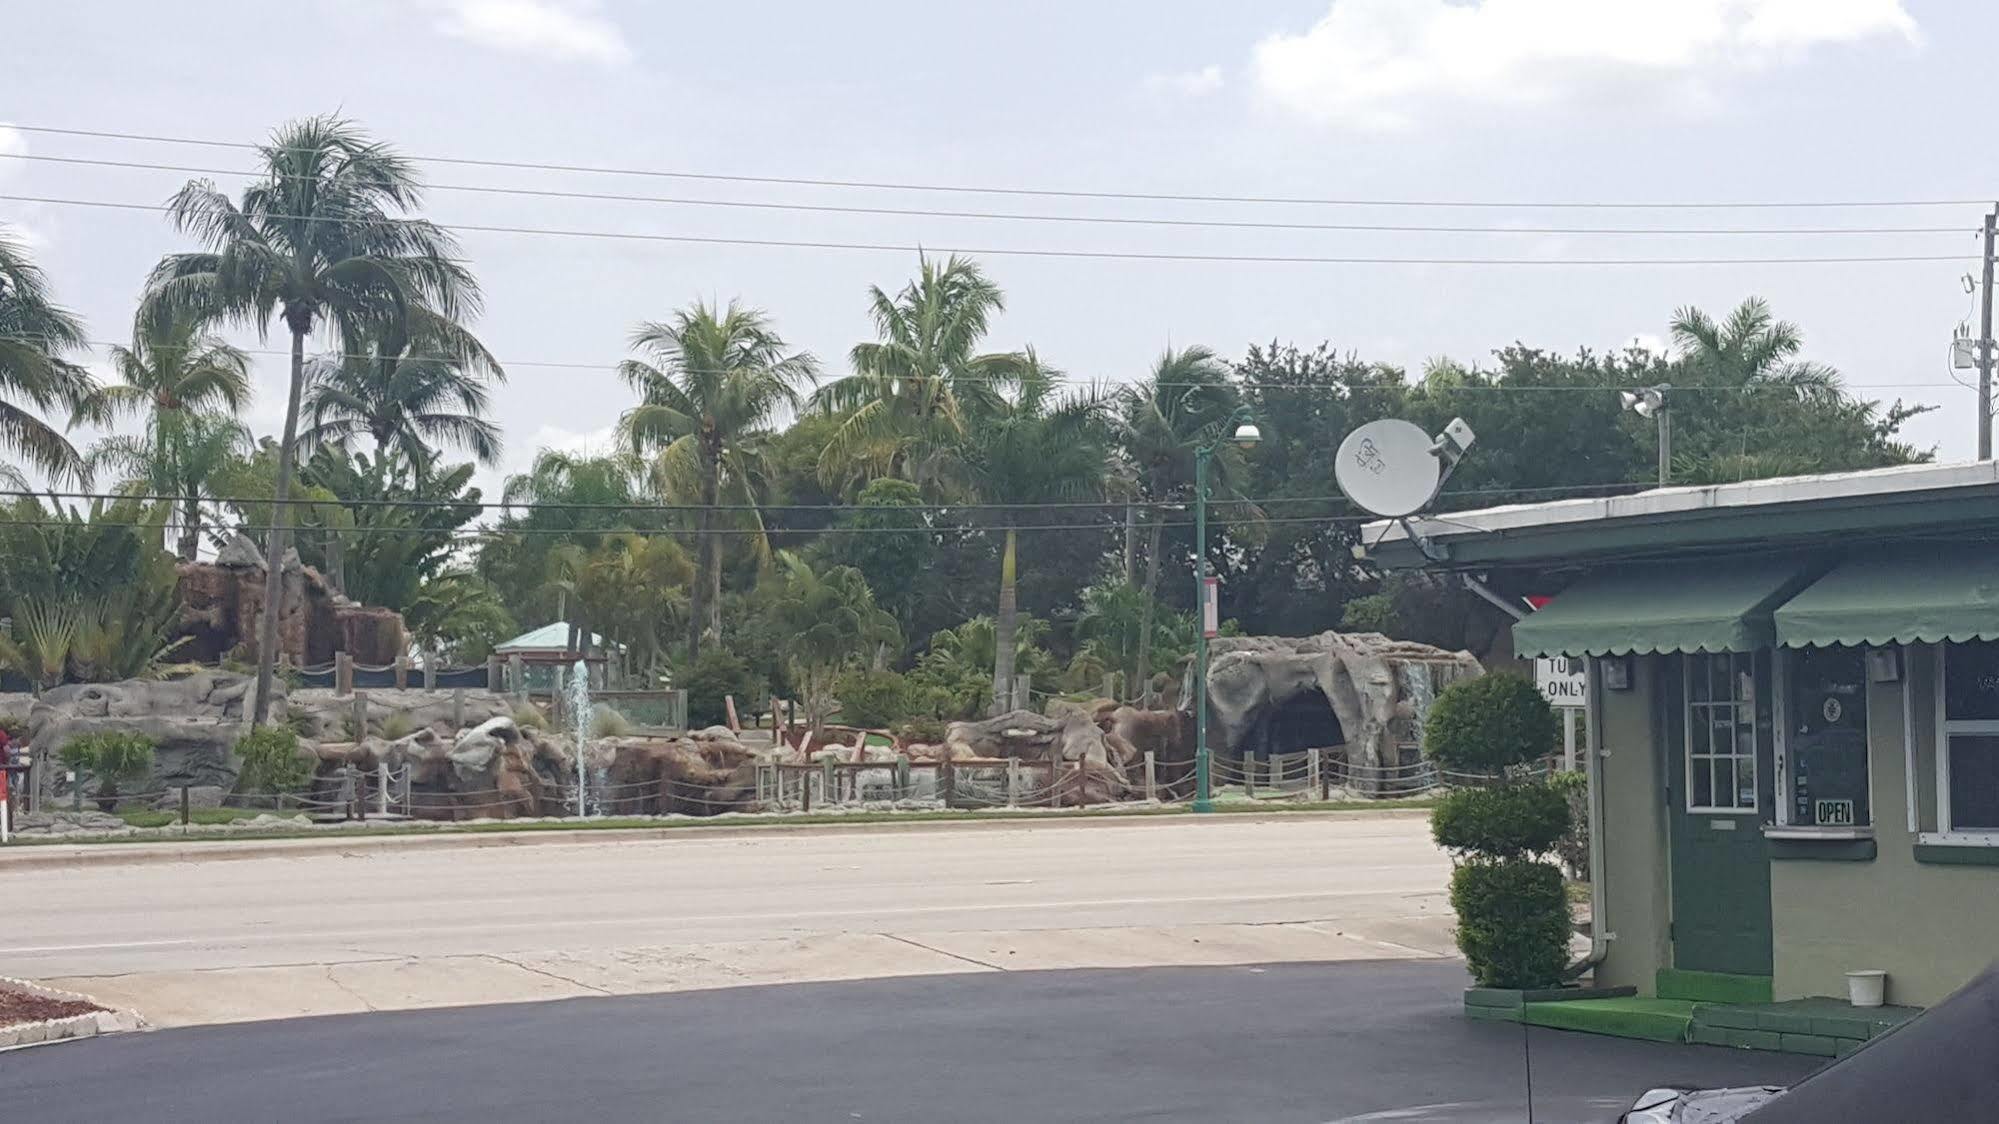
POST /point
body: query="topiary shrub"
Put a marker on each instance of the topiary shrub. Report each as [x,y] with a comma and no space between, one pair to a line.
[875,699]
[110,756]
[1489,724]
[271,760]
[1513,916]
[715,676]
[1501,823]
[1513,922]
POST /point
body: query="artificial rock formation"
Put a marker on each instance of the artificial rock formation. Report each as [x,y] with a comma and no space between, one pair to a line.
[193,721]
[222,602]
[1266,690]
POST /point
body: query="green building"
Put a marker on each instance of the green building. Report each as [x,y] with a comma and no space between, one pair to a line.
[1792,716]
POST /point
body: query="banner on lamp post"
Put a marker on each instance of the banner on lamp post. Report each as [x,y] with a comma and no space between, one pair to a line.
[1211,613]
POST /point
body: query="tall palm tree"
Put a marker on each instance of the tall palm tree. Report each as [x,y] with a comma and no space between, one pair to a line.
[1751,347]
[408,401]
[1163,420]
[35,333]
[569,500]
[912,389]
[187,386]
[1024,449]
[710,386]
[322,241]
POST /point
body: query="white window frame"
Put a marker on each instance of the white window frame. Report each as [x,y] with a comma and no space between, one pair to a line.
[1735,704]
[1780,675]
[1946,833]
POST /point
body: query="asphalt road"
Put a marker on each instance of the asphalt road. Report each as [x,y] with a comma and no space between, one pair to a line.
[1325,1042]
[330,903]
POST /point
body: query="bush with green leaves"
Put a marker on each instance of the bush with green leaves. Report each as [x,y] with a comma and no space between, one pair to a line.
[1573,847]
[271,761]
[1507,822]
[609,722]
[716,675]
[1513,922]
[920,731]
[875,700]
[1489,724]
[110,756]
[1513,917]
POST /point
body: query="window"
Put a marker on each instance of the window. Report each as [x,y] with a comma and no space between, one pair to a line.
[1968,764]
[1721,733]
[1825,738]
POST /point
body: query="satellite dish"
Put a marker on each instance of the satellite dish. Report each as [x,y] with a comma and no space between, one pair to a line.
[1389,467]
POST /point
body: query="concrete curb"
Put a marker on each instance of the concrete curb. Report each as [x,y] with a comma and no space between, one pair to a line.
[73,1028]
[42,855]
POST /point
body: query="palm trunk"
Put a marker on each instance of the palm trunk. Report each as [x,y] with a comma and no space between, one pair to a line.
[1153,547]
[1003,630]
[715,587]
[707,573]
[190,529]
[1130,544]
[274,545]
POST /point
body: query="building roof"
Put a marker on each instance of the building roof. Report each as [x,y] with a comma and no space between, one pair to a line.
[1955,499]
[547,638]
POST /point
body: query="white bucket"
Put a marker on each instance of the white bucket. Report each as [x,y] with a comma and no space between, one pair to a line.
[1867,989]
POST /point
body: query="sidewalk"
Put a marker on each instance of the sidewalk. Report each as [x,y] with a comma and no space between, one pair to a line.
[23,856]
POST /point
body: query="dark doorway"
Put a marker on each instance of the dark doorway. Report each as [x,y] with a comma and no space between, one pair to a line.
[1303,721]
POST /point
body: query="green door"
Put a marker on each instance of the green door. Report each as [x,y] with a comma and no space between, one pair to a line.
[1721,788]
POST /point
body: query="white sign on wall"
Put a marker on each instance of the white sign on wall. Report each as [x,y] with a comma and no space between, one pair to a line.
[1563,680]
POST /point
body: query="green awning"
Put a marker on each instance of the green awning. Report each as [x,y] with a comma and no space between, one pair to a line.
[1900,597]
[1707,605]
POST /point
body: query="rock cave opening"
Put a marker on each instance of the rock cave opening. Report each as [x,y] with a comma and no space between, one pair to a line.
[1303,721]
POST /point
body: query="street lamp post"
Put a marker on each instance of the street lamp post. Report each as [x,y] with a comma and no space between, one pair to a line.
[1651,403]
[1244,434]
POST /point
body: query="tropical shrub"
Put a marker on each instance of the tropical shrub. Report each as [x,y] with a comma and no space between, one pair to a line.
[110,756]
[715,675]
[920,731]
[1488,724]
[271,761]
[875,699]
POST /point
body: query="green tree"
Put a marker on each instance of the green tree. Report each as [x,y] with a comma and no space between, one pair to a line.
[323,239]
[887,538]
[1185,403]
[460,616]
[710,386]
[90,592]
[413,403]
[1026,449]
[833,624]
[914,389]
[35,335]
[633,587]
[563,500]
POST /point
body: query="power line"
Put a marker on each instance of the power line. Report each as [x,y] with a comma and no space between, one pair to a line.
[1064,193]
[1097,255]
[1110,220]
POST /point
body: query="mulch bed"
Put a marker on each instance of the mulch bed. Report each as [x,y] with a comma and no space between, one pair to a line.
[20,1007]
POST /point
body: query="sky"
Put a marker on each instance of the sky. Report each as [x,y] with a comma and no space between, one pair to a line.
[1513,101]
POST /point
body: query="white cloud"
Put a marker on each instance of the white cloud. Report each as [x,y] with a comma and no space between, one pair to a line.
[568,30]
[1378,63]
[1187,83]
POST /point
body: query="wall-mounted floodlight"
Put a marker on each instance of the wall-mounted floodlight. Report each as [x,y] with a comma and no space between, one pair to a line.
[1650,402]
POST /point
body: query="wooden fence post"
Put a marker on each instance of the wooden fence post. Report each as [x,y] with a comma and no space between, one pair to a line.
[1248,775]
[1313,774]
[429,671]
[902,776]
[458,708]
[360,715]
[1013,782]
[516,674]
[493,681]
[343,674]
[805,790]
[402,671]
[1151,776]
[947,782]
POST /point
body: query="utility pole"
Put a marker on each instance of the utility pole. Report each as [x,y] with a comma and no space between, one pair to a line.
[1985,344]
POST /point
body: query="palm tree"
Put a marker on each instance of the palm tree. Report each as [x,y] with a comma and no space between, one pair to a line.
[831,622]
[322,241]
[182,454]
[176,377]
[570,499]
[1164,420]
[911,391]
[409,401]
[709,388]
[1024,450]
[1752,347]
[34,335]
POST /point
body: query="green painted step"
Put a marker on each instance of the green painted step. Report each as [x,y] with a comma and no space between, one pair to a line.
[1655,1020]
[1711,987]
